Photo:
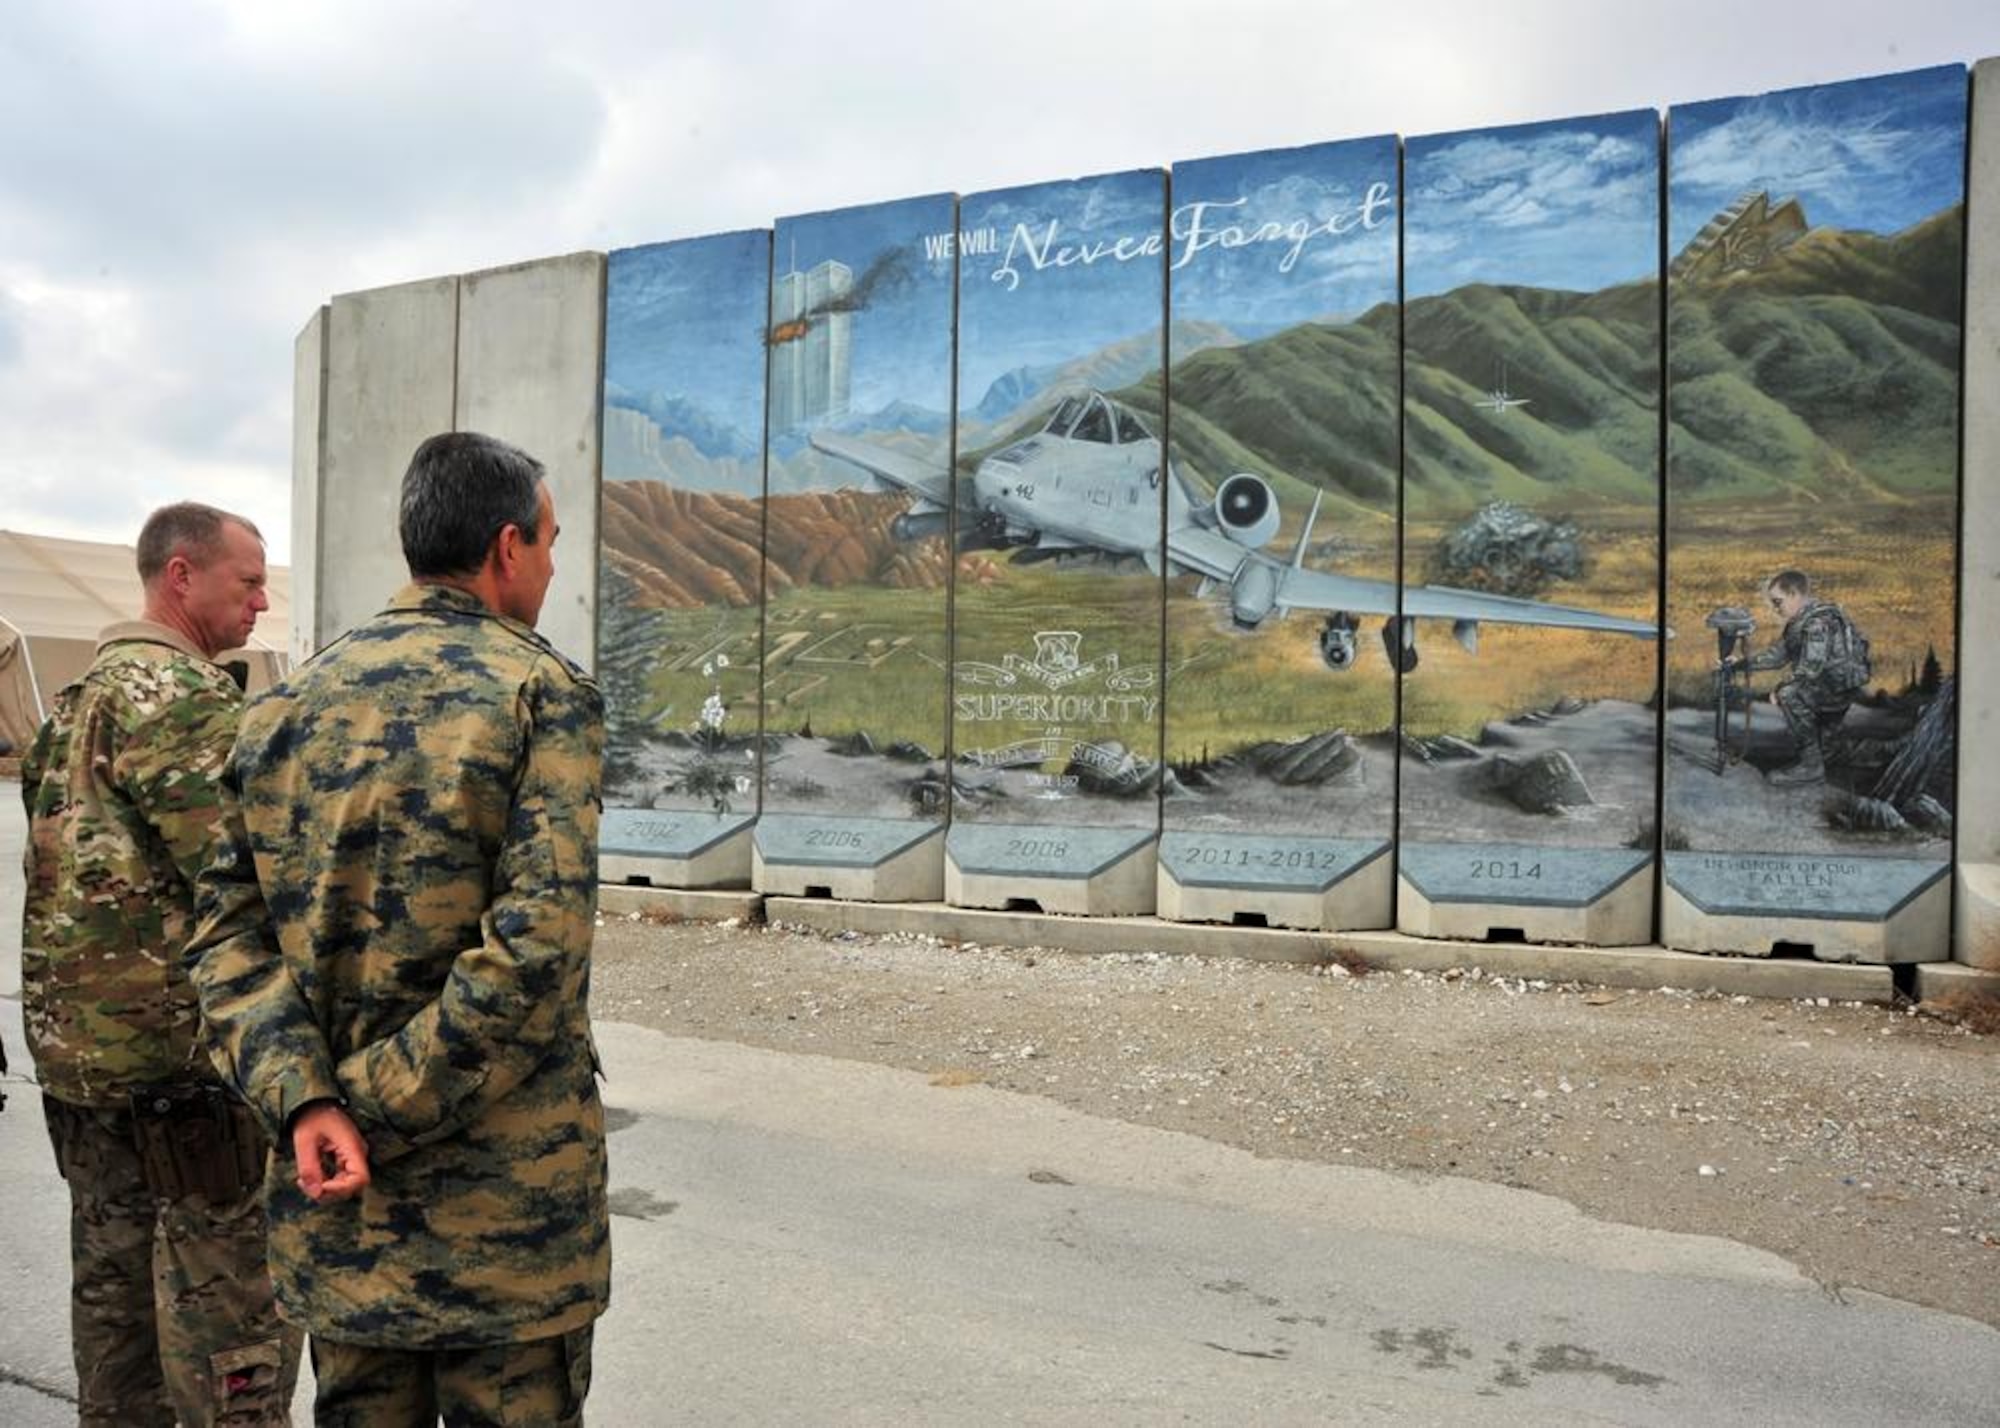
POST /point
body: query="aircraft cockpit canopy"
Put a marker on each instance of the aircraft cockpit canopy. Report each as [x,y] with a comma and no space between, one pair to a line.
[1095,417]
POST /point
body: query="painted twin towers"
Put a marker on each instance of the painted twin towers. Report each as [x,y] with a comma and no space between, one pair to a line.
[1291,540]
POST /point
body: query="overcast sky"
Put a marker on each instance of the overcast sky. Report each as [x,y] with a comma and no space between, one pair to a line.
[182,184]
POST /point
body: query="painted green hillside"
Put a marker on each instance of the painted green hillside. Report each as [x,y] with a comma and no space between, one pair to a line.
[1313,407]
[1586,365]
[1830,370]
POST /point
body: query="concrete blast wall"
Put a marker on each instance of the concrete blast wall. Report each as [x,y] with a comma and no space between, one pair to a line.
[1529,455]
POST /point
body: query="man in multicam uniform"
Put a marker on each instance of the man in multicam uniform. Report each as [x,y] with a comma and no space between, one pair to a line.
[394,957]
[1829,660]
[171,1309]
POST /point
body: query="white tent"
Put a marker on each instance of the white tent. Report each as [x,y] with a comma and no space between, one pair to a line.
[55,595]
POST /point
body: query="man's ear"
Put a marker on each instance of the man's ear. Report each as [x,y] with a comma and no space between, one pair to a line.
[507,550]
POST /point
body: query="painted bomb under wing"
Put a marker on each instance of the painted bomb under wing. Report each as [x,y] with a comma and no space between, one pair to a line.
[1086,482]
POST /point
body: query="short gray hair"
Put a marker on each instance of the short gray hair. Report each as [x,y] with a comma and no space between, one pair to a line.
[186,528]
[461,491]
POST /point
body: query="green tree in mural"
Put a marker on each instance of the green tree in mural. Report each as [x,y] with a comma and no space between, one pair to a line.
[1932,677]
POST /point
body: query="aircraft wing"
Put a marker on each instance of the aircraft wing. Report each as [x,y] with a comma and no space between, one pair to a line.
[1205,552]
[1440,602]
[1294,587]
[892,468]
[1260,584]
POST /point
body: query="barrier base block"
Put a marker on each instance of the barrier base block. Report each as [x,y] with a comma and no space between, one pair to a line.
[1835,907]
[853,859]
[1316,884]
[1976,938]
[1087,872]
[667,848]
[1524,892]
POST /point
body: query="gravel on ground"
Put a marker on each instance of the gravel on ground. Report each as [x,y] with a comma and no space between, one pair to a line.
[1860,1142]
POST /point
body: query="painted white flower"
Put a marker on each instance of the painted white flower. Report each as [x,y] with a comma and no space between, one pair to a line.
[708,671]
[742,784]
[712,712]
[722,661]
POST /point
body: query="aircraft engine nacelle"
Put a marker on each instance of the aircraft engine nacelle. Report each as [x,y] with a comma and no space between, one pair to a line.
[1253,595]
[1337,645]
[918,525]
[1247,509]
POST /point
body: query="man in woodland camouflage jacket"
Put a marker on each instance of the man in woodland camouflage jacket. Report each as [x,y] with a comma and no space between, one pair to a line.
[1830,666]
[394,957]
[171,1308]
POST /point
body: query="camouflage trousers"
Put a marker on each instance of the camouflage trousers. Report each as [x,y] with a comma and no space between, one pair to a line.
[540,1382]
[1810,712]
[171,1312]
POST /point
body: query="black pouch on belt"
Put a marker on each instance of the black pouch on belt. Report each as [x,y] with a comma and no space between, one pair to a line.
[196,1139]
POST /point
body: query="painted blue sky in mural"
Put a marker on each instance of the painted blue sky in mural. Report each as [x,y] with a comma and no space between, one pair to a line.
[1055,271]
[684,328]
[1876,154]
[1570,203]
[1266,240]
[900,328]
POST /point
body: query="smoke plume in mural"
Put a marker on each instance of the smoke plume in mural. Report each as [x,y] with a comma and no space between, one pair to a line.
[857,553]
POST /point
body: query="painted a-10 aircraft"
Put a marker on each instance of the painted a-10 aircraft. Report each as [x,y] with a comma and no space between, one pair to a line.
[1088,481]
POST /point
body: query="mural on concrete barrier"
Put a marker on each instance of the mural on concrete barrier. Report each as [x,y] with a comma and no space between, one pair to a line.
[1056,675]
[678,593]
[1531,422]
[856,565]
[1281,525]
[1816,241]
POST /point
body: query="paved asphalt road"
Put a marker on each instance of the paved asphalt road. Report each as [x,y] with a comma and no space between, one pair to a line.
[800,1240]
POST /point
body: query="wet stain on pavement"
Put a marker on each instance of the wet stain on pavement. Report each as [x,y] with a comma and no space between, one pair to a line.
[1047,1177]
[1568,1358]
[640,1204]
[1247,1353]
[1435,1348]
[1516,1366]
[1237,1286]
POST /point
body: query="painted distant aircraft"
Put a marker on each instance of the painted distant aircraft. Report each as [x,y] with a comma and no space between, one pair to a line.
[1089,481]
[1499,399]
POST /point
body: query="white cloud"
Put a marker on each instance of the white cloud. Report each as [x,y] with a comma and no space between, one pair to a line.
[1766,143]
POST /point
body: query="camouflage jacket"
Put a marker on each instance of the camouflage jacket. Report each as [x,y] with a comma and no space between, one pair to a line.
[1823,648]
[121,788]
[399,916]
